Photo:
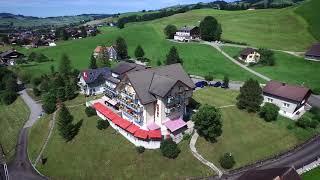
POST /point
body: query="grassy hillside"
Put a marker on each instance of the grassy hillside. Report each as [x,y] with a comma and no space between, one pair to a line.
[310,12]
[272,28]
[95,154]
[12,118]
[198,59]
[288,68]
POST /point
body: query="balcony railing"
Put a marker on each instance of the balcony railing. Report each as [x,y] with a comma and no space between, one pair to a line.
[128,95]
[112,90]
[132,117]
[132,106]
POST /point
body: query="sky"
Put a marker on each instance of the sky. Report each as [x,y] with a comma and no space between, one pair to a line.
[45,8]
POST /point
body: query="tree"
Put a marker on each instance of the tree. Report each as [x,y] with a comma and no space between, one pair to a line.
[170,31]
[83,31]
[208,77]
[269,112]
[159,62]
[8,97]
[307,122]
[93,63]
[226,81]
[121,48]
[173,56]
[65,35]
[139,53]
[266,57]
[210,29]
[250,97]
[208,122]
[65,65]
[102,124]
[69,91]
[169,148]
[11,83]
[90,111]
[227,161]
[65,125]
[49,103]
[60,94]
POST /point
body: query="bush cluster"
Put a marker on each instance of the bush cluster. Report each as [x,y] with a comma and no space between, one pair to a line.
[227,161]
[169,148]
[90,111]
[269,112]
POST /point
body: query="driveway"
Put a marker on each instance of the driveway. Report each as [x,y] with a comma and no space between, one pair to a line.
[21,167]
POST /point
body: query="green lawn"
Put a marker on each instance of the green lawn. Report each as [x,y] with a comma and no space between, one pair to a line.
[108,155]
[198,59]
[271,28]
[288,68]
[12,119]
[310,12]
[244,132]
[312,175]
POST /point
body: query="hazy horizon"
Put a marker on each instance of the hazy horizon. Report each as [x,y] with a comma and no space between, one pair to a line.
[47,8]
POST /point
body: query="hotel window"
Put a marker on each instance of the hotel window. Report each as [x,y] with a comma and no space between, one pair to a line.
[157,110]
[286,105]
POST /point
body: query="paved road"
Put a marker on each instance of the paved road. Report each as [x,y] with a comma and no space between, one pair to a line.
[20,167]
[301,156]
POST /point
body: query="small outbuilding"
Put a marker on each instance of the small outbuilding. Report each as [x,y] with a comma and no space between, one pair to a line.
[249,55]
[313,53]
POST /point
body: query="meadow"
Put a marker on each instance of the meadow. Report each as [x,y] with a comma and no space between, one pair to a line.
[288,68]
[12,119]
[244,131]
[106,155]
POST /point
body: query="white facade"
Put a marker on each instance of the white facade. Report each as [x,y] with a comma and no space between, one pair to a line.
[288,109]
[253,57]
[89,89]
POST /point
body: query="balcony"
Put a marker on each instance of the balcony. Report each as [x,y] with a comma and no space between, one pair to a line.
[129,104]
[132,117]
[128,95]
[109,89]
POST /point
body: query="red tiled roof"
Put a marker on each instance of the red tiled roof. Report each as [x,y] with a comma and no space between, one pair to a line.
[132,128]
[98,49]
[154,134]
[124,124]
[102,109]
[292,92]
[142,134]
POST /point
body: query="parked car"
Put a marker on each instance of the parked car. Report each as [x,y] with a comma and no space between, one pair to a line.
[224,86]
[217,84]
[201,84]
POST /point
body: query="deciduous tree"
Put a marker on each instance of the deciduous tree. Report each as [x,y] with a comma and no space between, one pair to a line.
[210,29]
[170,30]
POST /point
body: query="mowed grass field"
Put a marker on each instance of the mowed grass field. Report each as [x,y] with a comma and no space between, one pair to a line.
[198,59]
[288,68]
[95,154]
[244,132]
[12,118]
[312,175]
[272,28]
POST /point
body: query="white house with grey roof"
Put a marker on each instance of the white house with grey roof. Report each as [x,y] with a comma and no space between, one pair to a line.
[291,99]
[187,34]
[150,101]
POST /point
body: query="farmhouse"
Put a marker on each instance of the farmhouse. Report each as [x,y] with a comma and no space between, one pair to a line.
[110,52]
[187,34]
[146,105]
[291,99]
[9,57]
[249,55]
[313,53]
[92,81]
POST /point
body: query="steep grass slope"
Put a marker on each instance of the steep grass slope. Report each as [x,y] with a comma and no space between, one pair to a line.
[310,12]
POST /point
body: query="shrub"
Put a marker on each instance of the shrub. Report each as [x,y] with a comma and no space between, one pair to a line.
[140,149]
[90,111]
[169,148]
[186,136]
[49,107]
[269,112]
[36,92]
[102,124]
[290,127]
[8,97]
[306,122]
[227,161]
[36,81]
[208,77]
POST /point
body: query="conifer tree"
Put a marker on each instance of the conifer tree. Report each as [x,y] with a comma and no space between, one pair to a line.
[173,56]
[250,97]
[65,125]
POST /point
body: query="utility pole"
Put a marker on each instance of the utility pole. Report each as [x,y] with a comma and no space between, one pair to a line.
[3,161]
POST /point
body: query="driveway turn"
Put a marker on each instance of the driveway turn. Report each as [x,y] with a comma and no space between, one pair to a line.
[20,167]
